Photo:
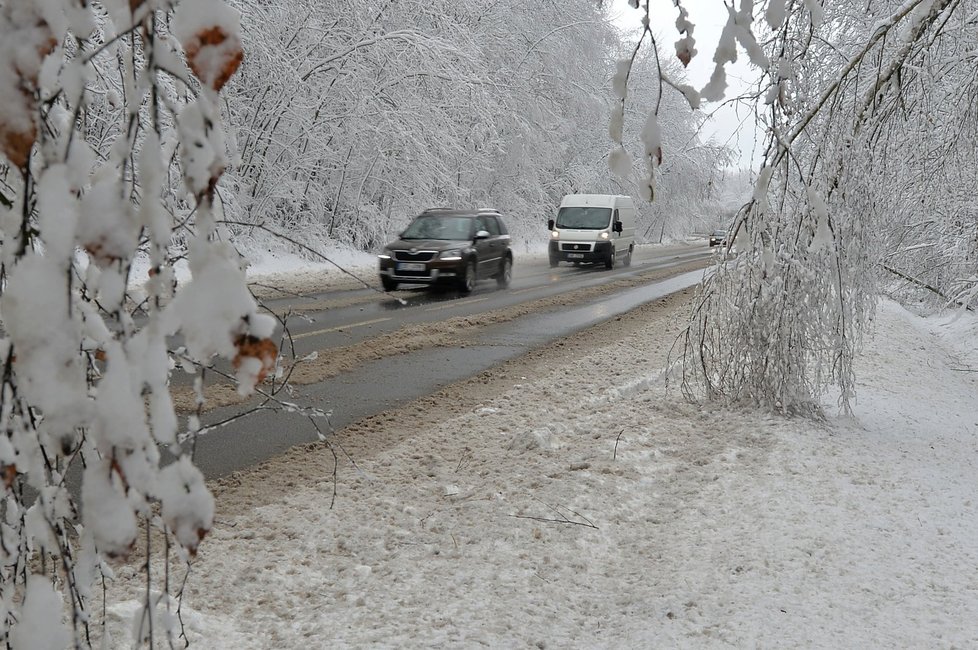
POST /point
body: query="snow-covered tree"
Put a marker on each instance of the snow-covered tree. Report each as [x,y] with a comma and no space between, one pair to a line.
[112,149]
[868,173]
[352,117]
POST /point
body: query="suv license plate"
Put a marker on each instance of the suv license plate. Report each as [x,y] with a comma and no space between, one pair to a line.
[410,266]
[575,256]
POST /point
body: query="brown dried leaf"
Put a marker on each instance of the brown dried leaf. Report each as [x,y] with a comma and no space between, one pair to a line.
[18,130]
[684,55]
[99,253]
[214,56]
[117,468]
[264,350]
[9,474]
[17,144]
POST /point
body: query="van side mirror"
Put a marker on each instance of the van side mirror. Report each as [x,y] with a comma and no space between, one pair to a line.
[550,224]
[617,227]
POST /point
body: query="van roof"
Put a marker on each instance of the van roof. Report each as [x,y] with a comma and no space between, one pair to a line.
[594,199]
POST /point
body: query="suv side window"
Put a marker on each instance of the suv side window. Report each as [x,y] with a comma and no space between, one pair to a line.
[502,226]
[489,223]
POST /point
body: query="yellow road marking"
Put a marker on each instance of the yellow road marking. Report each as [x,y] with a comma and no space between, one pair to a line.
[339,327]
[455,303]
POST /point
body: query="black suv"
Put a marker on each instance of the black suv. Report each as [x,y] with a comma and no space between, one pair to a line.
[445,246]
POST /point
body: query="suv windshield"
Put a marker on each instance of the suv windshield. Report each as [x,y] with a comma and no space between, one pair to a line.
[436,227]
[583,218]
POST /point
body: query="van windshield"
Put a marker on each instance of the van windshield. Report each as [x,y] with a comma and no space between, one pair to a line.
[583,218]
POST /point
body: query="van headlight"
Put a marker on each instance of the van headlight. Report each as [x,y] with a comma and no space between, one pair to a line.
[604,234]
[554,235]
[452,256]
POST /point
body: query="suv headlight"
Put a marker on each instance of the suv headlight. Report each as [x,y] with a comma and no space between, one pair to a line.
[385,254]
[452,256]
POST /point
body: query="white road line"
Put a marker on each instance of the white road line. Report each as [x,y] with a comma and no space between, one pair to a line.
[339,327]
[456,303]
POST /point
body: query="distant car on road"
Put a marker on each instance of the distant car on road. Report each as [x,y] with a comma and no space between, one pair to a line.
[448,246]
[718,238]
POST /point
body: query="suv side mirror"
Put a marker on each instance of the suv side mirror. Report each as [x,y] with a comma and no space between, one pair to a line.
[617,227]
[482,234]
[550,224]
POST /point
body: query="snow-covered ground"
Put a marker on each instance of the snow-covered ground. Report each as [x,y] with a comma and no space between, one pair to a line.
[565,500]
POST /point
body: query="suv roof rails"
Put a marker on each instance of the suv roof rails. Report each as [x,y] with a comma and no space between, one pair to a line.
[463,210]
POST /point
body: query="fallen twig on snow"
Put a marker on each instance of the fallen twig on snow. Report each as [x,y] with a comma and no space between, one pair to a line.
[563,519]
[615,455]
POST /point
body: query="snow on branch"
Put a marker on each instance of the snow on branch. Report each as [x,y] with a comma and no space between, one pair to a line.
[864,161]
[101,122]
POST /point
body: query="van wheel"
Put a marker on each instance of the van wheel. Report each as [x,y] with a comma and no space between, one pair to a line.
[467,284]
[506,274]
[628,258]
[609,263]
[389,285]
[553,262]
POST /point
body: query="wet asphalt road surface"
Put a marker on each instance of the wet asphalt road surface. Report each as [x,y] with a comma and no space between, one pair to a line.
[342,318]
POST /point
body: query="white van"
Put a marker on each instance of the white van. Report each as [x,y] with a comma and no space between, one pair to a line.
[593,229]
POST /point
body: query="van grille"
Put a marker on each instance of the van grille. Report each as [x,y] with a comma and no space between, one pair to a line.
[575,247]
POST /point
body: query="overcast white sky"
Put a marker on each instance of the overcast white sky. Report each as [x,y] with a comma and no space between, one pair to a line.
[731,124]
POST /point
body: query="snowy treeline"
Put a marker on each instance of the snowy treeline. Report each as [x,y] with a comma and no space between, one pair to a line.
[868,184]
[351,117]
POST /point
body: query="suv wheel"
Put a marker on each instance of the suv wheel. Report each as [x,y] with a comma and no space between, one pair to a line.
[389,285]
[505,274]
[467,283]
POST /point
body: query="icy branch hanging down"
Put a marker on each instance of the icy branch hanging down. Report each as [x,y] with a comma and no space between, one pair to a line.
[86,383]
[859,106]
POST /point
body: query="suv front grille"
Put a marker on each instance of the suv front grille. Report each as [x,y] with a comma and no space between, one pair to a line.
[408,256]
